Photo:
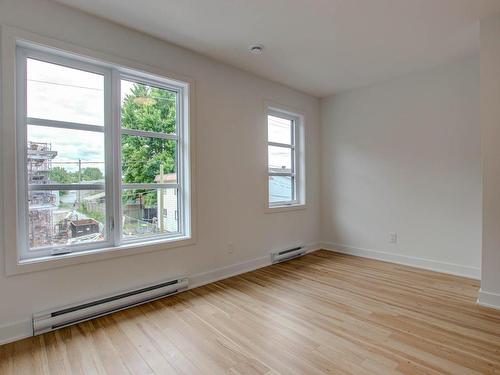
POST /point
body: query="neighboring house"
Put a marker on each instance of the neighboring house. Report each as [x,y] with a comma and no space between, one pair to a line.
[168,218]
[95,202]
[280,187]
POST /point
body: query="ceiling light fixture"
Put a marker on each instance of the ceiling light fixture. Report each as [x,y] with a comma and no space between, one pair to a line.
[256,48]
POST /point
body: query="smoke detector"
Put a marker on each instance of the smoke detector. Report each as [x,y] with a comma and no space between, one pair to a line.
[256,48]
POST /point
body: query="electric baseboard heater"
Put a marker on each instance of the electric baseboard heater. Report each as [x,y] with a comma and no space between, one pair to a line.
[285,255]
[57,318]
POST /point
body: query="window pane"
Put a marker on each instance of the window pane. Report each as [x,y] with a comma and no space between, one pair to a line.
[145,159]
[280,159]
[279,130]
[62,218]
[143,216]
[148,108]
[64,156]
[55,92]
[280,189]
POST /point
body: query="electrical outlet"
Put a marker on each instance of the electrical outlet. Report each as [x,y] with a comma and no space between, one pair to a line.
[393,237]
[230,248]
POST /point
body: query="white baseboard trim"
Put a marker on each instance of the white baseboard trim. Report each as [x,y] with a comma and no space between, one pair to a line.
[23,329]
[15,331]
[489,299]
[428,264]
[236,269]
[228,271]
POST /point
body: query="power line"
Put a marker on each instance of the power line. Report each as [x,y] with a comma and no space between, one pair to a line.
[94,89]
[64,84]
[76,162]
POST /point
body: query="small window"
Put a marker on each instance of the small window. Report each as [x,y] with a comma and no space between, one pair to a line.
[283,176]
[89,179]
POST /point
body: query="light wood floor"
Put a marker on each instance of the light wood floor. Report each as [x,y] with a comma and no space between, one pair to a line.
[323,313]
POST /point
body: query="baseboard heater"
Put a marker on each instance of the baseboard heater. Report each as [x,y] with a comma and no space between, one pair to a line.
[53,319]
[284,255]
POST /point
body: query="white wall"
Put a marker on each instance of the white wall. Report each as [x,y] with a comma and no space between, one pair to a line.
[231,164]
[490,128]
[404,156]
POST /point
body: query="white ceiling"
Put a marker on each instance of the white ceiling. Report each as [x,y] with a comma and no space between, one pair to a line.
[317,46]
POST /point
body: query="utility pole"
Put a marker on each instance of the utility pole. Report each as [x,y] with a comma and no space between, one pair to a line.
[79,181]
[160,202]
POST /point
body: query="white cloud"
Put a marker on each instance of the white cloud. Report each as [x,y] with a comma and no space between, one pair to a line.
[64,94]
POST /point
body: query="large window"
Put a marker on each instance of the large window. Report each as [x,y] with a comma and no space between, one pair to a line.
[102,156]
[283,161]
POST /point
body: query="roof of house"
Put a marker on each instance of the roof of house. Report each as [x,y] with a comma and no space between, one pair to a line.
[168,178]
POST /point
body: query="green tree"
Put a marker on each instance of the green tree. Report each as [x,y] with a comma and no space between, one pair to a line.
[91,174]
[61,175]
[149,109]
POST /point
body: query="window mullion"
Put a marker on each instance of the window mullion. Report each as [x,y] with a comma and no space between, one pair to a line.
[294,156]
[22,146]
[284,145]
[115,157]
[149,186]
[179,163]
[286,174]
[65,187]
[64,124]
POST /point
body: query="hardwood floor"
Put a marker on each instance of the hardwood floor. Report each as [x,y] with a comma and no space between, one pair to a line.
[322,313]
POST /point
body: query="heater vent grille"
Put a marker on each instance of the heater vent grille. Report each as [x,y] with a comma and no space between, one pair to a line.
[53,319]
[288,254]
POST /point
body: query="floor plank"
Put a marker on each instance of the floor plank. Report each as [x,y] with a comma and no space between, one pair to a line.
[324,313]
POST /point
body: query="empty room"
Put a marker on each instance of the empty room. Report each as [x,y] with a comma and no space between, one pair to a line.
[250,187]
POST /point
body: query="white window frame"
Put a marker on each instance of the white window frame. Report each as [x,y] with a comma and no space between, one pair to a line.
[179,167]
[14,44]
[297,163]
[23,53]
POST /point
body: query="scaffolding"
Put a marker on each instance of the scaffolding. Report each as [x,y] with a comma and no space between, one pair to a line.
[41,202]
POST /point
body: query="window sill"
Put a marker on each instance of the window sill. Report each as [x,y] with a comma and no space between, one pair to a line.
[63,260]
[285,208]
